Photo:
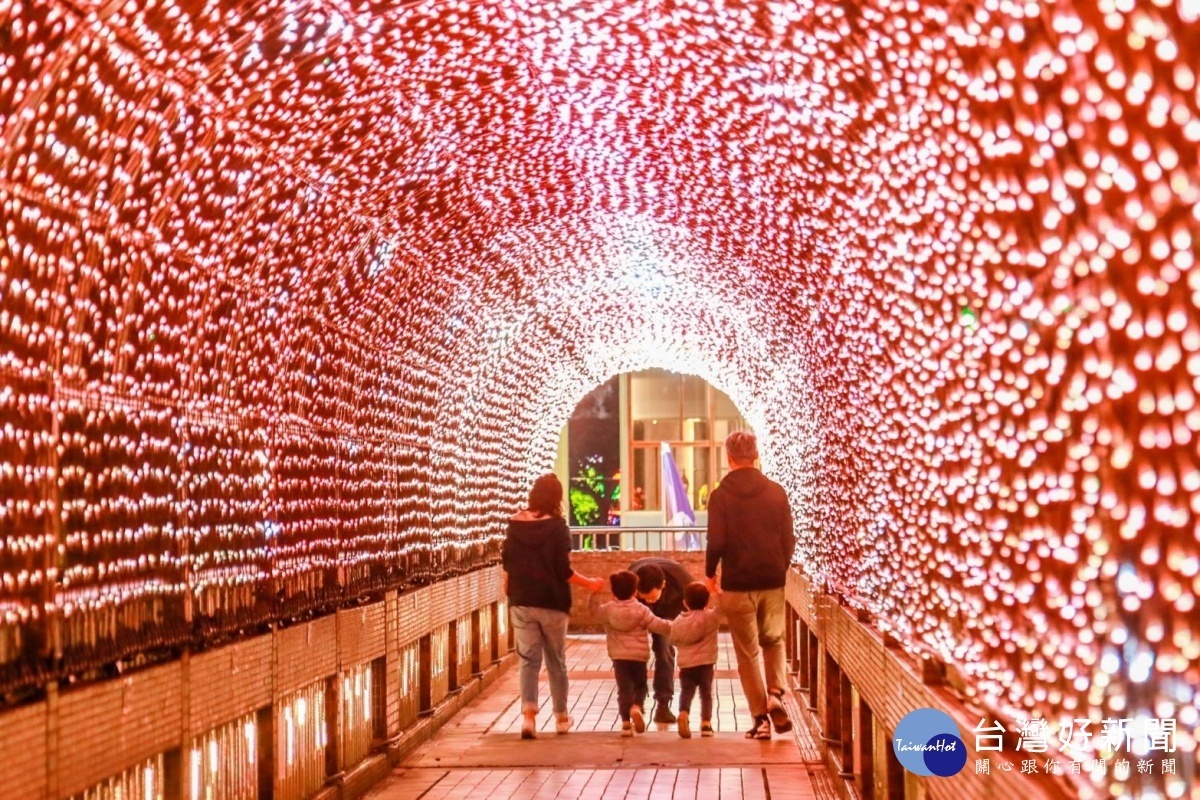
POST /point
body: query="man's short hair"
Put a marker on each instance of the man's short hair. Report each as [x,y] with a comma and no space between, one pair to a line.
[742,447]
[695,594]
[650,577]
[623,584]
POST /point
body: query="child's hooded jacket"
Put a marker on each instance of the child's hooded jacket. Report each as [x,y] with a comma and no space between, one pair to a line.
[627,624]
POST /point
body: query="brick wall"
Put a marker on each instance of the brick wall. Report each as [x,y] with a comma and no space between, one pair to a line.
[305,653]
[227,683]
[23,745]
[81,736]
[361,634]
[120,723]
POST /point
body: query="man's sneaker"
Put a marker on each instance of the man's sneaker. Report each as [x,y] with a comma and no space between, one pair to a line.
[639,721]
[662,713]
[685,732]
[706,730]
[626,729]
[778,714]
[761,729]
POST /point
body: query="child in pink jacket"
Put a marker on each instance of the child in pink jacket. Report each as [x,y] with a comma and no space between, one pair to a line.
[694,634]
[627,625]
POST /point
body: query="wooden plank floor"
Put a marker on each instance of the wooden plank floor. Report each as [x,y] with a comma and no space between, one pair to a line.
[480,752]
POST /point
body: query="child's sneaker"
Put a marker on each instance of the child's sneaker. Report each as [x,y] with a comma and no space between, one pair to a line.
[761,729]
[706,730]
[626,729]
[639,721]
[685,732]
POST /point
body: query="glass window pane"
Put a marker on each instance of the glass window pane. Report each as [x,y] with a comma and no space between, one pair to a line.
[695,430]
[723,406]
[695,397]
[645,479]
[654,405]
[656,430]
[693,464]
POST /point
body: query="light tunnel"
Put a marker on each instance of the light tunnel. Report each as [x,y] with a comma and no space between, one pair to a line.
[297,296]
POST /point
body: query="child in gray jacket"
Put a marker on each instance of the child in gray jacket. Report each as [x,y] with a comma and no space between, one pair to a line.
[627,625]
[694,634]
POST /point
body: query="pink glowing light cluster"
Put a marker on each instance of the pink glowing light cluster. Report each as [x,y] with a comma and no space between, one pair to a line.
[296,297]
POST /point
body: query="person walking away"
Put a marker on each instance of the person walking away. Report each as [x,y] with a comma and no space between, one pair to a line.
[626,625]
[536,557]
[694,633]
[750,538]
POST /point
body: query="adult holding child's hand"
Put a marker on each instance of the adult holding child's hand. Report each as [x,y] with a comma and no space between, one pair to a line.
[536,555]
[750,539]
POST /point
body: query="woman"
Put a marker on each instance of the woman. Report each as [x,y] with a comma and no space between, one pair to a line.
[537,559]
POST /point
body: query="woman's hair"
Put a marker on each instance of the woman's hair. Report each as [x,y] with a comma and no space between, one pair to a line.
[623,584]
[546,496]
[742,447]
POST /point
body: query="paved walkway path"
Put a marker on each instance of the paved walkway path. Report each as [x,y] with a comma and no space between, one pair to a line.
[480,752]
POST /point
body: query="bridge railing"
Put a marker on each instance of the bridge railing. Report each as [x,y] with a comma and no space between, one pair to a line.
[638,539]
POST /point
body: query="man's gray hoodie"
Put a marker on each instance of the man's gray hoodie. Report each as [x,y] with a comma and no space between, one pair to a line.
[628,624]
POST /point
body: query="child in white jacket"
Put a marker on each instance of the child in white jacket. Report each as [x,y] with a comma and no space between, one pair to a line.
[628,624]
[694,634]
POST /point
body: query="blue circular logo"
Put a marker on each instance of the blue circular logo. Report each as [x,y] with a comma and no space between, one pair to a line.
[927,743]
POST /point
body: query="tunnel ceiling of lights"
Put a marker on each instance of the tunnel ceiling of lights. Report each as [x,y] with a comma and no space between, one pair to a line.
[297,296]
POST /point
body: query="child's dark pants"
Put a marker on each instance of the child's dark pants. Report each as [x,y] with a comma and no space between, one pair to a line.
[631,685]
[691,679]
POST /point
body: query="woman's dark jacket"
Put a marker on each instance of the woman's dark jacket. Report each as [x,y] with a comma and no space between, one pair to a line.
[536,554]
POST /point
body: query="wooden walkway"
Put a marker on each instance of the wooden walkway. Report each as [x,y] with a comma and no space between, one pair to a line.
[480,752]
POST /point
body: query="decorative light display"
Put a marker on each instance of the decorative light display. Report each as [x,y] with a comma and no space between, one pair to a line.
[296,298]
[221,764]
[357,707]
[146,781]
[301,740]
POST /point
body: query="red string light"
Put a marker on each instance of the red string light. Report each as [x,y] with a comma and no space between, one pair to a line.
[296,297]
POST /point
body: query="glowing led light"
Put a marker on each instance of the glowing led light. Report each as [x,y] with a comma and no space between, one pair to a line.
[251,733]
[197,765]
[256,341]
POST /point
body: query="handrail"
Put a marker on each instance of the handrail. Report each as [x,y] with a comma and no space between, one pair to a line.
[638,537]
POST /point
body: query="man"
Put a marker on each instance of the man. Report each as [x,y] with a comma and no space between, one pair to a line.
[750,537]
[661,582]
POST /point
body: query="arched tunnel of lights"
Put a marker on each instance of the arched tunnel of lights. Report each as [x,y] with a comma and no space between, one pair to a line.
[296,297]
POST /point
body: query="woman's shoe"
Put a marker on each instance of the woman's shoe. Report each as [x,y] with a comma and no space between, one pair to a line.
[529,727]
[685,731]
[639,721]
[761,728]
[562,724]
[626,729]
